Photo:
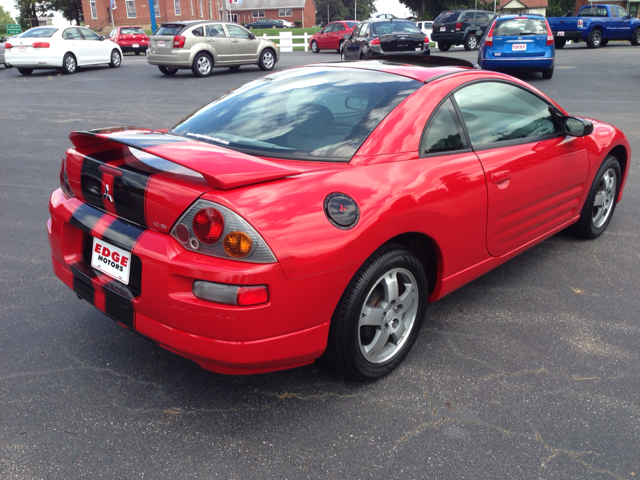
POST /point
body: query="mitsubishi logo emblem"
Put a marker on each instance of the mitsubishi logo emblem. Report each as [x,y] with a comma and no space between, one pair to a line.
[105,195]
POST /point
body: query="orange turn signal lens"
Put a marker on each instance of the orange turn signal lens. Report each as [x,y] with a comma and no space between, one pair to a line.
[237,244]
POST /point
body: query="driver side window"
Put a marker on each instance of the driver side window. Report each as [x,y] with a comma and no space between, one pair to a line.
[496,112]
[237,32]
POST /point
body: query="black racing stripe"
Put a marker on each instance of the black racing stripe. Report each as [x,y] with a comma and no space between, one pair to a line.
[91,181]
[128,193]
[82,284]
[123,234]
[135,274]
[85,217]
[118,307]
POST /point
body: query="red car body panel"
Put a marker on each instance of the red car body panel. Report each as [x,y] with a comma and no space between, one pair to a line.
[130,42]
[459,203]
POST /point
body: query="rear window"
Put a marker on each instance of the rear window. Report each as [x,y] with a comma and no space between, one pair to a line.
[593,12]
[39,33]
[352,24]
[447,17]
[307,113]
[518,27]
[131,31]
[383,28]
[169,30]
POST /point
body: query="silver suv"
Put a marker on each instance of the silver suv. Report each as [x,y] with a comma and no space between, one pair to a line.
[203,45]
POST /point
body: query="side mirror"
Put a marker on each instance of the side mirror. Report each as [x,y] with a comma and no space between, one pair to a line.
[251,36]
[577,127]
[101,38]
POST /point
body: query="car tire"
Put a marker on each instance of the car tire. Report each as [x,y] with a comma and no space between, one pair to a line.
[379,315]
[69,64]
[267,60]
[25,71]
[547,73]
[341,46]
[314,47]
[116,59]
[137,53]
[601,202]
[202,65]
[595,38]
[167,71]
[444,46]
[235,68]
[273,26]
[635,39]
[560,42]
[471,42]
[343,56]
[250,27]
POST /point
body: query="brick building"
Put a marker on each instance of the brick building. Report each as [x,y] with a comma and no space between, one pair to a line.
[98,14]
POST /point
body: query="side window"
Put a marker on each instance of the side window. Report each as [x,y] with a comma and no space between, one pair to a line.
[444,133]
[614,12]
[330,28]
[356,31]
[339,27]
[72,34]
[467,17]
[622,12]
[89,35]
[198,32]
[497,112]
[364,31]
[237,32]
[215,30]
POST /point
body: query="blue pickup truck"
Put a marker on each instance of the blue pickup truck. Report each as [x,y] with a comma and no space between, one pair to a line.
[596,25]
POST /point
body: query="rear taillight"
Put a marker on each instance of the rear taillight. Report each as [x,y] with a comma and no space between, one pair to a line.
[8,45]
[64,179]
[458,26]
[40,45]
[549,34]
[208,225]
[375,41]
[178,41]
[426,40]
[230,294]
[489,38]
[212,229]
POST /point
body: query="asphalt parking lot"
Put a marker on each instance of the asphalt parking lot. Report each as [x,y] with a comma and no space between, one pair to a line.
[531,371]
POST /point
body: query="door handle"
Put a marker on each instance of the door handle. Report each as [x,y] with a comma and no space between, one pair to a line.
[500,177]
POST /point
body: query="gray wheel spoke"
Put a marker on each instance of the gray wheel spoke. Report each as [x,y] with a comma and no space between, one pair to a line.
[378,343]
[400,331]
[391,286]
[599,200]
[372,316]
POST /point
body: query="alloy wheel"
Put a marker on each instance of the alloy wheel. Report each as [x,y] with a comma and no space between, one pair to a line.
[604,199]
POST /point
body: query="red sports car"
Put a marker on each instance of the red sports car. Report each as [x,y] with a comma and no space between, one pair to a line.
[317,210]
[331,36]
[130,39]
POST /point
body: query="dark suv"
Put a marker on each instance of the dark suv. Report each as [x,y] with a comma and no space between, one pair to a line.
[460,27]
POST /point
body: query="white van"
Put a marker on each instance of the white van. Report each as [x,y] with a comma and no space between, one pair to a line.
[425,25]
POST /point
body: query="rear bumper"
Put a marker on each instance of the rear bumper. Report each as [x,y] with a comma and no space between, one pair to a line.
[131,48]
[377,52]
[448,37]
[568,35]
[535,63]
[32,60]
[178,59]
[158,303]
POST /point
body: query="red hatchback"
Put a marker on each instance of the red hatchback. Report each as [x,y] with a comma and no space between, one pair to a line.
[319,209]
[332,36]
[130,39]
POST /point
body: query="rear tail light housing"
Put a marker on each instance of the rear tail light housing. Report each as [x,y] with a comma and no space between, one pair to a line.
[375,41]
[458,26]
[212,229]
[8,45]
[40,45]
[426,40]
[549,34]
[64,179]
[178,41]
[489,38]
[230,294]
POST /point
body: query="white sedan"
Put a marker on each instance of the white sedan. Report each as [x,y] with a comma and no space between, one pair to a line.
[66,48]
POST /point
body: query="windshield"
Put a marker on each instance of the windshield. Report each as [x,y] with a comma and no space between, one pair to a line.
[521,26]
[39,33]
[383,28]
[308,113]
[169,30]
[447,17]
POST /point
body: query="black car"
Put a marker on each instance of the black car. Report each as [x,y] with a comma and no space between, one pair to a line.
[265,23]
[381,37]
[460,27]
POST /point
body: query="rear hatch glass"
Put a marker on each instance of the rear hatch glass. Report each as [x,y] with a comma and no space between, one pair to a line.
[446,17]
[162,40]
[520,37]
[131,31]
[170,29]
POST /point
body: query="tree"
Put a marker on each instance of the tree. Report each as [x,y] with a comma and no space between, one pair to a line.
[5,17]
[29,12]
[365,9]
[430,9]
[70,9]
[558,8]
[334,8]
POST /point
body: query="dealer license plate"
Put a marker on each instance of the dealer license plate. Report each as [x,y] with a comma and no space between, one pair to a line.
[443,29]
[161,43]
[135,45]
[519,47]
[561,34]
[22,49]
[111,260]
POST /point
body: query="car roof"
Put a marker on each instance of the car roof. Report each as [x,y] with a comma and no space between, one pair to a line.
[387,20]
[417,72]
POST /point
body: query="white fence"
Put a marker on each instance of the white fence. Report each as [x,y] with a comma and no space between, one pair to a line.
[285,41]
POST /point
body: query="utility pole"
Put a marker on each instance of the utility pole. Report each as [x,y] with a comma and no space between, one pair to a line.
[327,13]
[355,9]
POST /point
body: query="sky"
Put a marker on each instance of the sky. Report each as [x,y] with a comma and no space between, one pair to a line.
[383,6]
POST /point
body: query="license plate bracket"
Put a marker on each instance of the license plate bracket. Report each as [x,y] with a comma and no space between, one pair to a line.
[111,260]
[519,47]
